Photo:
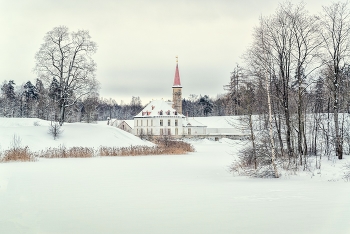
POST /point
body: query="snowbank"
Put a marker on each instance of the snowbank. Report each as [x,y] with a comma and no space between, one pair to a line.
[34,133]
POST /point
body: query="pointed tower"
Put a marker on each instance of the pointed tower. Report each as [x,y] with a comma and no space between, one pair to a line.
[177,90]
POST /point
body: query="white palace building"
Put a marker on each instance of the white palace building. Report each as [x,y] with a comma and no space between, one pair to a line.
[165,118]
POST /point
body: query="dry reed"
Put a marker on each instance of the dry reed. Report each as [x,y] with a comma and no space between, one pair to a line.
[63,152]
[169,147]
[18,154]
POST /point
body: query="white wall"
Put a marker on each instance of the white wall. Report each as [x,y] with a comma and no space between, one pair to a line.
[152,125]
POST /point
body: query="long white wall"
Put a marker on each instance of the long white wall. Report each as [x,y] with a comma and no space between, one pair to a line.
[165,125]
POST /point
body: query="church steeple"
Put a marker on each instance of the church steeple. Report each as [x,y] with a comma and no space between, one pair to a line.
[177,82]
[177,90]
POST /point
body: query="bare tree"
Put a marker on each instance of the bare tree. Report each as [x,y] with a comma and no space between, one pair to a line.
[260,60]
[305,54]
[335,33]
[66,57]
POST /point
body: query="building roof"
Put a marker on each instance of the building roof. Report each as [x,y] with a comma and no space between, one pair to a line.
[177,82]
[159,108]
[191,122]
[130,123]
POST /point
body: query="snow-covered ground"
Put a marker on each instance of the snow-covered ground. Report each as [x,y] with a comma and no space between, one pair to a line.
[34,133]
[191,193]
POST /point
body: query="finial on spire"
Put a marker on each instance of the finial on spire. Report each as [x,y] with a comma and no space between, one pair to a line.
[177,59]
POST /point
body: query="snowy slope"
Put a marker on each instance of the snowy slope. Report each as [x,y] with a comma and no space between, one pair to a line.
[34,134]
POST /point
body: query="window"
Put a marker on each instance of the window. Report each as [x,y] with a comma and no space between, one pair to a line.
[175,112]
[161,112]
[151,122]
[189,131]
[169,131]
[168,122]
[176,131]
[161,131]
[176,122]
[161,122]
[137,122]
[151,131]
[141,122]
[147,122]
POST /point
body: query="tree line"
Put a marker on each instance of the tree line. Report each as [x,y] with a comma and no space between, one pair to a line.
[35,100]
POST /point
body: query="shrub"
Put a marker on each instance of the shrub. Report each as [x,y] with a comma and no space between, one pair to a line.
[55,130]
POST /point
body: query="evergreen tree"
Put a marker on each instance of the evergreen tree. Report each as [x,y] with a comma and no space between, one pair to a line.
[207,105]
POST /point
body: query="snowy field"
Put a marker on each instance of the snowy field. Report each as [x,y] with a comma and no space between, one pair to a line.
[191,193]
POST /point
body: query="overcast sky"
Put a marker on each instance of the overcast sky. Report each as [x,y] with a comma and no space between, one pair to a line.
[138,40]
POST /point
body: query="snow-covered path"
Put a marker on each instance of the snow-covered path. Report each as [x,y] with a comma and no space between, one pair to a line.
[191,193]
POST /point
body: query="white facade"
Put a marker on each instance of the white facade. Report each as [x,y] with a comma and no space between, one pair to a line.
[126,125]
[159,118]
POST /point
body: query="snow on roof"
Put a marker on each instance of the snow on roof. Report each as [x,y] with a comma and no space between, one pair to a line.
[219,121]
[130,123]
[158,108]
[192,122]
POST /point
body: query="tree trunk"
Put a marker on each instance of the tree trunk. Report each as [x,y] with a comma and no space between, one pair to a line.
[338,137]
[273,153]
[252,137]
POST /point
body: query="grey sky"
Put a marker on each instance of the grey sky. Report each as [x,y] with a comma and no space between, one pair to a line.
[138,40]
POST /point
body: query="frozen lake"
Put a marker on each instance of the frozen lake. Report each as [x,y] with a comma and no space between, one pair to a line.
[191,193]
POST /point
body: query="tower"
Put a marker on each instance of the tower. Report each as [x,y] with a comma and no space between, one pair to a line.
[177,90]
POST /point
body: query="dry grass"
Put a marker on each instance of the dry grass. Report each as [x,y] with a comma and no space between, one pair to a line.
[18,154]
[168,147]
[63,152]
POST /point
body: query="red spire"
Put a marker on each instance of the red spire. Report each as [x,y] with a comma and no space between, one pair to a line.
[177,82]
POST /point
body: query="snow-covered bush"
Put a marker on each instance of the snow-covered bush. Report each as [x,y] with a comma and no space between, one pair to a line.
[247,165]
[55,130]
